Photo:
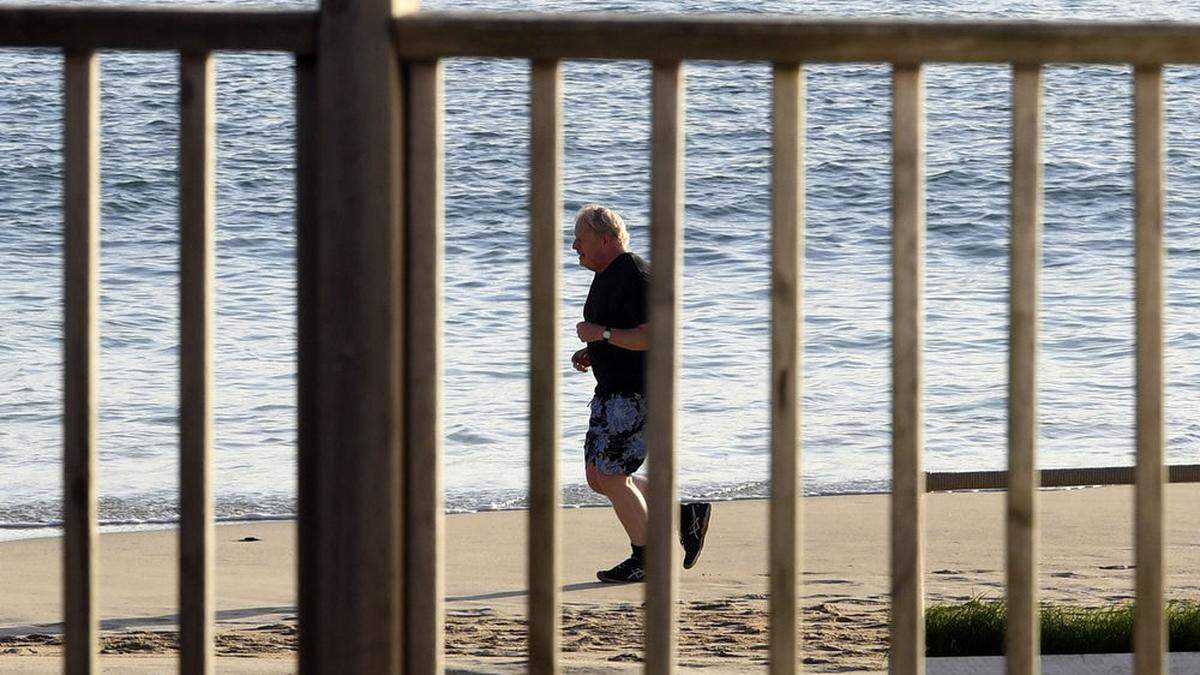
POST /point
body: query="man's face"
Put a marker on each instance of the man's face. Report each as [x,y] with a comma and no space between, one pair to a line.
[587,245]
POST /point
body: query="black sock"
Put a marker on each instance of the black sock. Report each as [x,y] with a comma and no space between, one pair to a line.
[639,552]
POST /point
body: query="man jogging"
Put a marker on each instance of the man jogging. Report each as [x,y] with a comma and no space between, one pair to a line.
[614,328]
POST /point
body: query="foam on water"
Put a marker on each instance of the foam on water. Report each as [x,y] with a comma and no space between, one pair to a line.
[1086,360]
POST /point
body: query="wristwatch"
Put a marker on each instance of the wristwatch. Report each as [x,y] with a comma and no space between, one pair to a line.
[607,334]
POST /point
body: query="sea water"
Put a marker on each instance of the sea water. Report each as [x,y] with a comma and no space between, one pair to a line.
[1085,364]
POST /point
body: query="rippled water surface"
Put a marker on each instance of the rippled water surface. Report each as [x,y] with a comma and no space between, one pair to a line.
[1086,365]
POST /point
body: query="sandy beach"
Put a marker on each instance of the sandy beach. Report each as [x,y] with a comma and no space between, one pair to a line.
[1087,559]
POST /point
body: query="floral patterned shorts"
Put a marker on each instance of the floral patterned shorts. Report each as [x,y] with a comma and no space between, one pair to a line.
[615,442]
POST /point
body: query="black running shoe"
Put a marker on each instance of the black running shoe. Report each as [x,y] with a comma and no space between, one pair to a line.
[628,572]
[693,525]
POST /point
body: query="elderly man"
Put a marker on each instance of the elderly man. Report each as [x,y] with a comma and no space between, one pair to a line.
[614,329]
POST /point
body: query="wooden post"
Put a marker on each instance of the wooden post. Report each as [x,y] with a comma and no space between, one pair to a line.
[81,300]
[351,348]
[1021,548]
[787,284]
[545,211]
[424,512]
[908,490]
[662,363]
[1150,635]
[196,224]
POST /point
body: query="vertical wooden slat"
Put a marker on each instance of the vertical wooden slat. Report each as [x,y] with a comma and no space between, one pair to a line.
[1150,639]
[423,455]
[545,215]
[662,367]
[1021,548]
[908,490]
[787,282]
[81,268]
[306,290]
[196,225]
[351,341]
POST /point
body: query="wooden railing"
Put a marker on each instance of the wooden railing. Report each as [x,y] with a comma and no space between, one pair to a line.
[369,246]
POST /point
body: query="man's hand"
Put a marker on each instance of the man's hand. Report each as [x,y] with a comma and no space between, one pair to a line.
[589,332]
[581,360]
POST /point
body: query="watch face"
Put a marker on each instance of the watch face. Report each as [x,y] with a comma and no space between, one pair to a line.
[607,334]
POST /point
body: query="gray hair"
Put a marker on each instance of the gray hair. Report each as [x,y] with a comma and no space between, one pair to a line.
[604,222]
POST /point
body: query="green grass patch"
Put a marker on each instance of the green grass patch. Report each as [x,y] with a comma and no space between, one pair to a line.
[976,628]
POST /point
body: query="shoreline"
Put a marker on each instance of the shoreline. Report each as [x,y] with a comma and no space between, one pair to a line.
[1086,559]
[54,530]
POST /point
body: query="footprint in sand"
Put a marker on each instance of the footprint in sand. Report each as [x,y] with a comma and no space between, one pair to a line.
[1066,575]
[711,606]
[827,608]
[482,611]
[868,601]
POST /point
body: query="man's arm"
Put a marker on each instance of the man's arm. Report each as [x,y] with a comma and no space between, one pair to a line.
[634,339]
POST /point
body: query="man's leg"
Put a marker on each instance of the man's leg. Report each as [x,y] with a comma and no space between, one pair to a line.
[694,518]
[631,511]
[629,503]
[627,499]
[643,486]
[615,442]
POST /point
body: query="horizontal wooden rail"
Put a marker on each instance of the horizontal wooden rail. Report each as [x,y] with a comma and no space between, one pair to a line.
[1106,475]
[432,35]
[428,35]
[191,29]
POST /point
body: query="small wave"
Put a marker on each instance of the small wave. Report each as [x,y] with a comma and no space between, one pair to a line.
[125,522]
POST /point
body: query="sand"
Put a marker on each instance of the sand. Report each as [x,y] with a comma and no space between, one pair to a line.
[1087,559]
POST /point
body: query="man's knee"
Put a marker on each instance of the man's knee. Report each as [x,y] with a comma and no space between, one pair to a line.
[593,479]
[608,484]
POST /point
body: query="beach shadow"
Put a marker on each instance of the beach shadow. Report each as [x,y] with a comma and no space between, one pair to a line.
[582,586]
[134,622]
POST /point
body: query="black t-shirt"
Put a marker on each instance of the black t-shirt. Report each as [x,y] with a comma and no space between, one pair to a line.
[617,299]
